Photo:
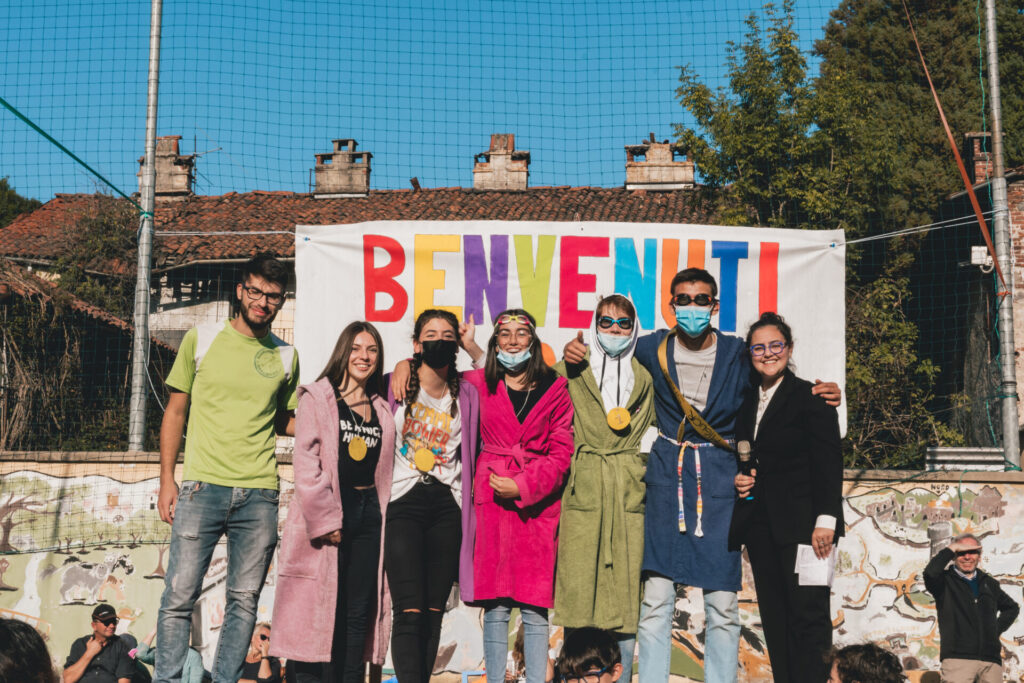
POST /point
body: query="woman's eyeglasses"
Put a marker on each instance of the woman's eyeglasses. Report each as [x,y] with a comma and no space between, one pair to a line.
[605,322]
[519,335]
[686,300]
[775,347]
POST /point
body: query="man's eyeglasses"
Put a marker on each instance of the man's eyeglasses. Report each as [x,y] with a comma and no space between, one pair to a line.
[605,322]
[972,551]
[775,347]
[589,677]
[110,621]
[273,298]
[506,318]
[520,334]
[686,300]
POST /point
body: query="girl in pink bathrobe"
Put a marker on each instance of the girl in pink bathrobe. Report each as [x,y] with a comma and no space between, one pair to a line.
[526,434]
[332,612]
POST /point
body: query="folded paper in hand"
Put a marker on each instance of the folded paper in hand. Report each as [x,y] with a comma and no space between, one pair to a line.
[812,571]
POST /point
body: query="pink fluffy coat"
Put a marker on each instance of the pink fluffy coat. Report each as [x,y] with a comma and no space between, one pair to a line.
[517,541]
[307,574]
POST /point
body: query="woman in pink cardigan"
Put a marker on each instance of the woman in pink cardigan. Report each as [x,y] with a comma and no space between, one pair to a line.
[526,430]
[332,612]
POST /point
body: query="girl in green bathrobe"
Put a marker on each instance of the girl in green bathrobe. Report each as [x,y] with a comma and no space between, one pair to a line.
[601,534]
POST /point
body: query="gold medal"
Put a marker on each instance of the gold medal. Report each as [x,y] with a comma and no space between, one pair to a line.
[424,459]
[357,448]
[618,418]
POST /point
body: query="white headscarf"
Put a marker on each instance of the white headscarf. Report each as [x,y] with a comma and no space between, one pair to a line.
[613,376]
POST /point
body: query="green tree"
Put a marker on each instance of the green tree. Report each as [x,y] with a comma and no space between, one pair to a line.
[871,74]
[754,137]
[788,151]
[13,204]
[96,261]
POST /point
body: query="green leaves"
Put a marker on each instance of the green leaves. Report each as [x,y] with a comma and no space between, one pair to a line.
[859,147]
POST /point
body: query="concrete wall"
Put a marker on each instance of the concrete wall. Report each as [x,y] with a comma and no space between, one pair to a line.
[86,530]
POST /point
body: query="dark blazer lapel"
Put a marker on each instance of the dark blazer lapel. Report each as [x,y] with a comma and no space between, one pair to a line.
[746,416]
[777,403]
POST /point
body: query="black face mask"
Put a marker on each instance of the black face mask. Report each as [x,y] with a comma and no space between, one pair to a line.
[437,353]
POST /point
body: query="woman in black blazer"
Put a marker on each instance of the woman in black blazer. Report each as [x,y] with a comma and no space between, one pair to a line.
[797,490]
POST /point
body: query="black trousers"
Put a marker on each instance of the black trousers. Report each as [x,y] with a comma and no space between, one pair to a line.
[358,556]
[422,539]
[796,619]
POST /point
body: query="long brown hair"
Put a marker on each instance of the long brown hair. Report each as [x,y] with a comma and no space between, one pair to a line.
[336,370]
[414,365]
[536,367]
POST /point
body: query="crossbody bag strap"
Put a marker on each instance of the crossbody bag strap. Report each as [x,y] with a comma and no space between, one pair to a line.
[689,412]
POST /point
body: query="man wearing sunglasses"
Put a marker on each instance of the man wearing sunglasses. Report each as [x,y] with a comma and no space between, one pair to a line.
[236,383]
[691,468]
[100,657]
[973,610]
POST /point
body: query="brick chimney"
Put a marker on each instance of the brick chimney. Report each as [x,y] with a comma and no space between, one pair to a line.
[502,167]
[174,172]
[343,172]
[652,166]
[977,156]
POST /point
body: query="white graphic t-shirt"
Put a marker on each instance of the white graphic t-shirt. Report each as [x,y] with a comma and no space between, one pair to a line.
[430,426]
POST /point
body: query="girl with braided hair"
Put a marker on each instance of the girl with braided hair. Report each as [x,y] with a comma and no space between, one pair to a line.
[430,509]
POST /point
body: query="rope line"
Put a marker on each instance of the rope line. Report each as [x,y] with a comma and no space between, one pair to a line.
[11,108]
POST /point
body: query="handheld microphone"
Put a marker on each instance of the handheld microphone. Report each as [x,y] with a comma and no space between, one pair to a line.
[746,464]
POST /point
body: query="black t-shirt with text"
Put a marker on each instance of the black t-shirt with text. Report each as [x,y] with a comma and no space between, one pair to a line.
[353,471]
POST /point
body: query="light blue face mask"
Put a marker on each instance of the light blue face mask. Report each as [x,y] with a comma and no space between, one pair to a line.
[514,362]
[693,320]
[613,344]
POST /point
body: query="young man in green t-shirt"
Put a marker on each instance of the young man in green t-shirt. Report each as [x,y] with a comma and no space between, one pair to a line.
[236,383]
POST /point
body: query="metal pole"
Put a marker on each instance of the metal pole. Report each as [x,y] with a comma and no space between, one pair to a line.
[1004,252]
[140,345]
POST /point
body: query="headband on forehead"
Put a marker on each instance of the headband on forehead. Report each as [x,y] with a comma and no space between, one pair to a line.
[505,318]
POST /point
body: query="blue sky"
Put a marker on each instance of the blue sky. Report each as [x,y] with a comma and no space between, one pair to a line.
[421,85]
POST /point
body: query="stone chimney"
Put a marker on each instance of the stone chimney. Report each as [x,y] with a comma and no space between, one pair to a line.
[343,172]
[502,167]
[174,172]
[653,166]
[977,155]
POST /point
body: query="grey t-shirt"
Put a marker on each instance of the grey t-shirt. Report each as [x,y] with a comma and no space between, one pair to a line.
[694,371]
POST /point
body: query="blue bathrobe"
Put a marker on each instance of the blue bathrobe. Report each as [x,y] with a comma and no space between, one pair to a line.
[703,561]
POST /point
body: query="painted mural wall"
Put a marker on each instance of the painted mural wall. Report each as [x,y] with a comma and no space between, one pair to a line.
[75,534]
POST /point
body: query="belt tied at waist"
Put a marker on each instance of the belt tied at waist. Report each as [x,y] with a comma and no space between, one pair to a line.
[696,447]
[611,494]
[518,454]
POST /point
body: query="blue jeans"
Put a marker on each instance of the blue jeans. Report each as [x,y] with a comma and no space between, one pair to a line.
[627,647]
[721,637]
[205,512]
[535,640]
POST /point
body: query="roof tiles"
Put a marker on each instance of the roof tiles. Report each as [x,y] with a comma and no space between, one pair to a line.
[202,221]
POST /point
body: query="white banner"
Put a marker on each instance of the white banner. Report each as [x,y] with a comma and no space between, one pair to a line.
[387,272]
